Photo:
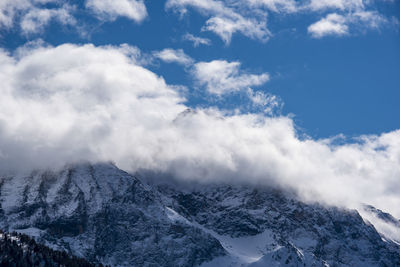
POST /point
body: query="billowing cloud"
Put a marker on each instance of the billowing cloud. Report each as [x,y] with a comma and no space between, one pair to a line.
[220,77]
[71,94]
[174,55]
[112,9]
[81,102]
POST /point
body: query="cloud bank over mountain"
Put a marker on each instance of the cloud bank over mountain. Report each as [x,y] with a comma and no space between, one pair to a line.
[81,102]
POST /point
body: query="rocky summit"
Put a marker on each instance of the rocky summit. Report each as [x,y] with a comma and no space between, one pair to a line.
[107,216]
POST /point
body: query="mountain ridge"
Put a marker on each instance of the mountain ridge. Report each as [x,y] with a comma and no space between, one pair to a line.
[109,216]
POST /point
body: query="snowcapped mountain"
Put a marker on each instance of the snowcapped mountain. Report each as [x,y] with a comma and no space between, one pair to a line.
[108,216]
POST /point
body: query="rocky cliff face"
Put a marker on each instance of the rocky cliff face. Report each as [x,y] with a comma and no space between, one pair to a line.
[109,216]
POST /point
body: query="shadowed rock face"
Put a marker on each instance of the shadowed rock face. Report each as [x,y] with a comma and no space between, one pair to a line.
[106,215]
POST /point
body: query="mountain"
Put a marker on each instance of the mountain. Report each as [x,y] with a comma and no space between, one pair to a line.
[108,216]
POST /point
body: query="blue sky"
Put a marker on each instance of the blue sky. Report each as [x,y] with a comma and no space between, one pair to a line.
[336,83]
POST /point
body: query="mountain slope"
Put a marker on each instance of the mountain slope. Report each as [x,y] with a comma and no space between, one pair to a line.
[103,214]
[109,216]
[307,234]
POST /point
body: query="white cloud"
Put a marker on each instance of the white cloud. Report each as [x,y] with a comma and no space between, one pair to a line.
[224,20]
[278,6]
[367,19]
[333,24]
[36,19]
[112,9]
[220,77]
[196,40]
[223,17]
[72,102]
[8,10]
[226,26]
[339,25]
[33,16]
[350,16]
[268,102]
[249,18]
[349,5]
[174,55]
[72,98]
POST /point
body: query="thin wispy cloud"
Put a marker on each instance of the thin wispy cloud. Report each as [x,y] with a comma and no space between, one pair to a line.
[250,17]
[174,55]
[333,24]
[269,103]
[221,77]
[197,41]
[34,16]
[337,4]
[223,20]
[277,6]
[110,10]
[339,25]
[217,77]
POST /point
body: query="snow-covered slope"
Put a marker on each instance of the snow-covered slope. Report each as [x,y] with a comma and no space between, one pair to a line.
[265,227]
[103,214]
[106,215]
